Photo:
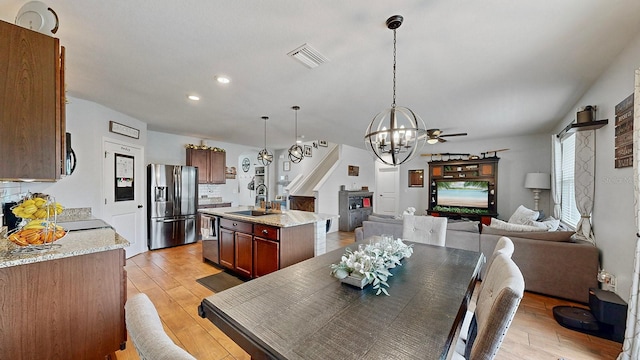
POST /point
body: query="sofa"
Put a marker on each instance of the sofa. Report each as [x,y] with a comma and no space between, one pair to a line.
[551,263]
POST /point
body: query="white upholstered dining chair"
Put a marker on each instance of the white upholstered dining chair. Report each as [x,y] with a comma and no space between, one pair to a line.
[146,332]
[424,229]
[503,246]
[502,290]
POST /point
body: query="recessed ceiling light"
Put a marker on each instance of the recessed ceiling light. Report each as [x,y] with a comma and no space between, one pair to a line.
[194,97]
[222,79]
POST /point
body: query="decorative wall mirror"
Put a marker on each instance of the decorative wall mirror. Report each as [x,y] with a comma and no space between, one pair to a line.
[416,178]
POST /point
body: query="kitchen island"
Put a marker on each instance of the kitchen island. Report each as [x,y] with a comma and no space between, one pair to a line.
[66,302]
[252,242]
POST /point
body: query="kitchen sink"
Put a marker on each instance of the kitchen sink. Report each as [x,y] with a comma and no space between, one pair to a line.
[250,213]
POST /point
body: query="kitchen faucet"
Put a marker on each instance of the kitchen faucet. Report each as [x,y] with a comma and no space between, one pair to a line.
[266,195]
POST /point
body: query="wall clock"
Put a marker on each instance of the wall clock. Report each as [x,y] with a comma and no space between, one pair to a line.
[245,164]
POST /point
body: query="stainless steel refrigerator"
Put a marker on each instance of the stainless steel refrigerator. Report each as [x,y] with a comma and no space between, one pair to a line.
[172,205]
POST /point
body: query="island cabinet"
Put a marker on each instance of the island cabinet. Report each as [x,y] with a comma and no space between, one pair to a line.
[32,105]
[211,165]
[266,249]
[253,249]
[65,308]
[236,246]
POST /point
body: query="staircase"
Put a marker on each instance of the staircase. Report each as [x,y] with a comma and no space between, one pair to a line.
[304,188]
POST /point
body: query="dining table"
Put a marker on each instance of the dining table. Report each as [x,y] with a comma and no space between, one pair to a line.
[304,312]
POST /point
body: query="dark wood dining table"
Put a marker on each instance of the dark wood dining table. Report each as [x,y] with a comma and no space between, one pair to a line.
[303,312]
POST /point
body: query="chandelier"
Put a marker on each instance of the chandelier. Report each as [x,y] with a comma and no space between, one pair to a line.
[395,134]
[295,151]
[264,156]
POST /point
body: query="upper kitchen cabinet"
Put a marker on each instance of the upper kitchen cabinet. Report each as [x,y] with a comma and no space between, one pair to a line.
[211,164]
[32,105]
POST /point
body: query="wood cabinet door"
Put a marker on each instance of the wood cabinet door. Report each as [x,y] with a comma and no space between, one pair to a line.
[200,159]
[244,254]
[266,254]
[227,248]
[31,110]
[218,163]
[69,308]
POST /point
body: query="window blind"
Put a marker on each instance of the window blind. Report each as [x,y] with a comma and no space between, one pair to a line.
[570,214]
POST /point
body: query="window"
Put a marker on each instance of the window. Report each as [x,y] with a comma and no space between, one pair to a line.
[570,214]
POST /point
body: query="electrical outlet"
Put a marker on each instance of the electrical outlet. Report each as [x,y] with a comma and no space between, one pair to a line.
[607,280]
[612,283]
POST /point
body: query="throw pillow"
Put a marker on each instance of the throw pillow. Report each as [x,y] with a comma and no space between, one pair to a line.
[522,215]
[549,223]
[501,225]
[537,224]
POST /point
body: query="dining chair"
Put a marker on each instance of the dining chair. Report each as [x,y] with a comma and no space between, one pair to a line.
[424,229]
[496,306]
[503,246]
[146,332]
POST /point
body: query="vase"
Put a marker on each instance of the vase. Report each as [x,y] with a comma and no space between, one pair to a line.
[357,281]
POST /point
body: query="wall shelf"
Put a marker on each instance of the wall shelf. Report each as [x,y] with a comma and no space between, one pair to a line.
[592,125]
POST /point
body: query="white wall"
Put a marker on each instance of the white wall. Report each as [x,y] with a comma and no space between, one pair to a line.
[88,124]
[613,220]
[526,154]
[328,192]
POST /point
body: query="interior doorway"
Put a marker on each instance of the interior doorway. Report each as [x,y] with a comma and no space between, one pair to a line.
[387,180]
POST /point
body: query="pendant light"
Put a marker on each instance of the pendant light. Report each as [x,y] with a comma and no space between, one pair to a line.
[264,156]
[395,134]
[296,153]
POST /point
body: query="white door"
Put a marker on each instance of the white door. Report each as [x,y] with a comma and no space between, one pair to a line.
[387,186]
[123,189]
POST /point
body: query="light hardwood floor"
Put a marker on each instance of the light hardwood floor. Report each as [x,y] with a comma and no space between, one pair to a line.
[168,277]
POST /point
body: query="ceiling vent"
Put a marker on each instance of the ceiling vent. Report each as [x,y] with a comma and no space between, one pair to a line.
[308,56]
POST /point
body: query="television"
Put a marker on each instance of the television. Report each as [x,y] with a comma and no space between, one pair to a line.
[463,194]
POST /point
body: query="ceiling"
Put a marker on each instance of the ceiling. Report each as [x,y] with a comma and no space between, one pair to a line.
[491,68]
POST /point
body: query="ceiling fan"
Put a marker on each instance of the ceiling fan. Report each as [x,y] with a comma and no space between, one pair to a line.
[435,136]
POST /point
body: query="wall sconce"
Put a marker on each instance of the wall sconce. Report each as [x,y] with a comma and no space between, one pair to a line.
[537,182]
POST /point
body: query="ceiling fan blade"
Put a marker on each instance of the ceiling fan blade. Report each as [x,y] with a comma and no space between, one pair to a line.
[458,134]
[440,139]
[433,132]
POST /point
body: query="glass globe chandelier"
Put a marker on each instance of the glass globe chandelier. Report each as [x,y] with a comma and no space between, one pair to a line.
[395,134]
[264,156]
[296,153]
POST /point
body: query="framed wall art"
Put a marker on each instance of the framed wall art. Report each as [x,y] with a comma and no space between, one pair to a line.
[125,130]
[307,150]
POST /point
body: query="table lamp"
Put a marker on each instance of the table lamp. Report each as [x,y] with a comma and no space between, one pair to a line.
[537,182]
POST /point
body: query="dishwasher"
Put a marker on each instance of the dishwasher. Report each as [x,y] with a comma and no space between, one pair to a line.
[209,230]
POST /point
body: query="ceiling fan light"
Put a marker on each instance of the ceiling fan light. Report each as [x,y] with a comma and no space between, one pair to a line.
[432,141]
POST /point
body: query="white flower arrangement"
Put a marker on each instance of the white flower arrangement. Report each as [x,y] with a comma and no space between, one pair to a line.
[372,262]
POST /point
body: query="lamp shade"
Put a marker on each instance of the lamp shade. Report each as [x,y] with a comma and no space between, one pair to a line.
[537,181]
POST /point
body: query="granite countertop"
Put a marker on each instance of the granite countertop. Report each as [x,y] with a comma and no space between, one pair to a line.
[288,218]
[74,243]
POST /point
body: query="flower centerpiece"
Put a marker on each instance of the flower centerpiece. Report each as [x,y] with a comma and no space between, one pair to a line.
[370,264]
